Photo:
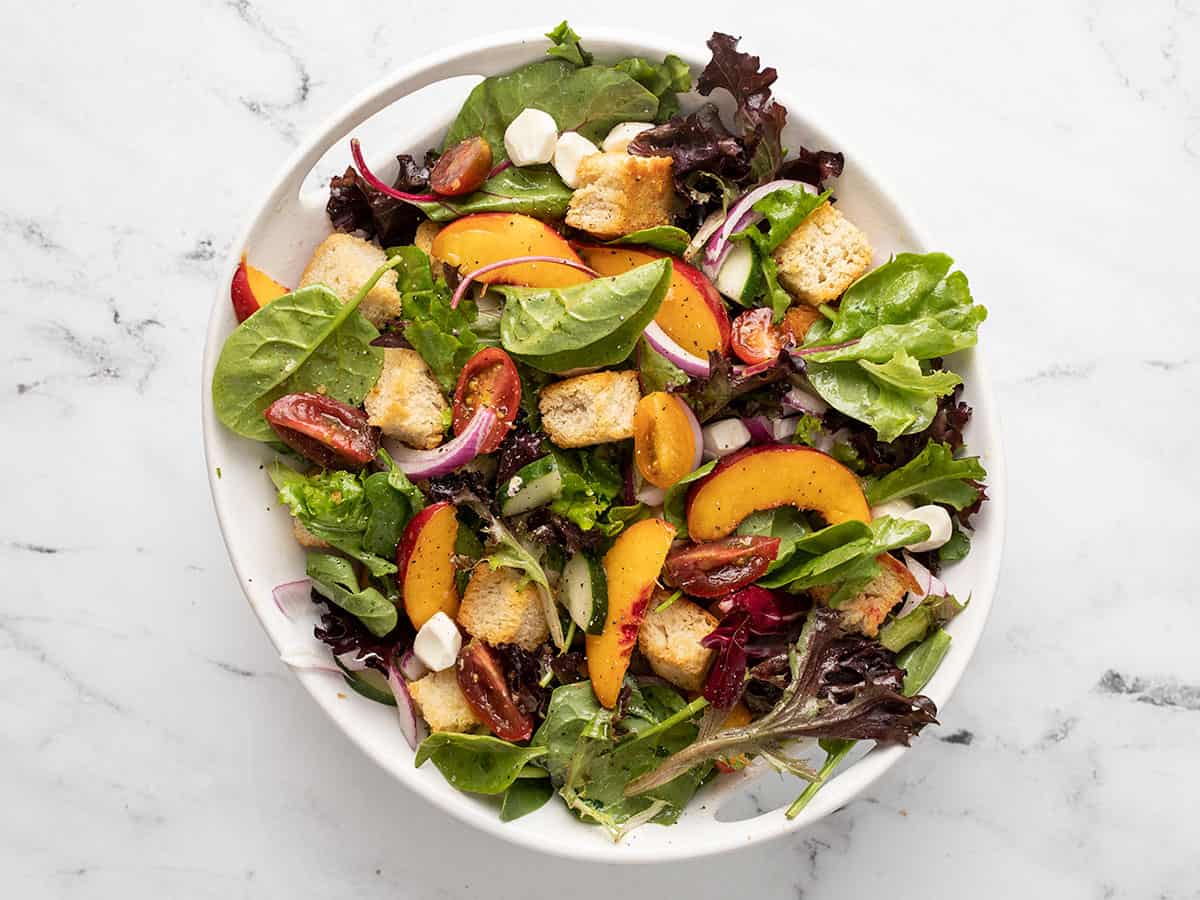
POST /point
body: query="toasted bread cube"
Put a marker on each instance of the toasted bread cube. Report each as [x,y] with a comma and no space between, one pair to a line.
[442,703]
[498,609]
[670,641]
[590,409]
[822,257]
[866,612]
[406,402]
[343,263]
[423,240]
[619,194]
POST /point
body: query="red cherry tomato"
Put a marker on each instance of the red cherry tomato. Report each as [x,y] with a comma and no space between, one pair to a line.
[324,430]
[715,568]
[486,689]
[488,379]
[755,339]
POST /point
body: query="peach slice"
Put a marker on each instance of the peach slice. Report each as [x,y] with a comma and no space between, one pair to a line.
[770,476]
[692,314]
[474,241]
[632,567]
[425,562]
[252,289]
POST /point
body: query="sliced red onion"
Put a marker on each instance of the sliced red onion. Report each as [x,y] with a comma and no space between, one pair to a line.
[688,362]
[650,495]
[746,371]
[451,455]
[760,428]
[308,661]
[374,181]
[496,170]
[740,217]
[707,227]
[783,429]
[351,662]
[803,401]
[292,597]
[930,584]
[697,435]
[516,260]
[410,723]
[411,667]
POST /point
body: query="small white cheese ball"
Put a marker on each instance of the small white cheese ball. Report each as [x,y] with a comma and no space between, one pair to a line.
[529,138]
[570,149]
[897,509]
[723,437]
[783,429]
[618,139]
[939,524]
[438,642]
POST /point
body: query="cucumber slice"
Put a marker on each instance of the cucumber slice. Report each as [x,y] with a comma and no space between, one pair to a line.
[369,682]
[586,590]
[534,485]
[740,278]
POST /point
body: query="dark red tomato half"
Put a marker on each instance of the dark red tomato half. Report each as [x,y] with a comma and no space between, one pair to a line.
[483,684]
[324,430]
[715,568]
[488,379]
[755,338]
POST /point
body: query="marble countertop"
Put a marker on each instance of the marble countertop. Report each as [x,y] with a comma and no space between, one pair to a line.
[152,743]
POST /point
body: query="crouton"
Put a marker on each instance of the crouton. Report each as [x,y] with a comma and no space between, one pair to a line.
[590,409]
[822,257]
[866,612]
[343,263]
[441,702]
[406,402]
[423,240]
[498,610]
[306,538]
[619,194]
[670,641]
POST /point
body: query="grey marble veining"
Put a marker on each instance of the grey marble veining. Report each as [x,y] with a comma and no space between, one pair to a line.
[153,745]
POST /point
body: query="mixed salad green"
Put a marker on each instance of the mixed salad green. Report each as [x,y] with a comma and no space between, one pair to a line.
[618,463]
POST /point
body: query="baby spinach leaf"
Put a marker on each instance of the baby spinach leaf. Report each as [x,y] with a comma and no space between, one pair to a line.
[596,323]
[532,190]
[478,763]
[334,579]
[588,99]
[933,476]
[843,553]
[675,499]
[393,500]
[666,238]
[525,795]
[786,523]
[305,341]
[666,80]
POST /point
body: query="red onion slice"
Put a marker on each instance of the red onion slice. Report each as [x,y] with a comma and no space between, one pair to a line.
[741,216]
[760,428]
[292,597]
[516,260]
[411,667]
[451,455]
[650,495]
[406,709]
[802,401]
[930,584]
[697,435]
[688,362]
[380,185]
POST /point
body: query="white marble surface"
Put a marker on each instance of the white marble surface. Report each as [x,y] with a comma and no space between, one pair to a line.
[151,745]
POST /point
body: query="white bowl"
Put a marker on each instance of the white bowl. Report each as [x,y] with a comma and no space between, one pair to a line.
[282,232]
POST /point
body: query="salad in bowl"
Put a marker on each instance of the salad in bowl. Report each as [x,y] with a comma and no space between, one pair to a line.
[620,461]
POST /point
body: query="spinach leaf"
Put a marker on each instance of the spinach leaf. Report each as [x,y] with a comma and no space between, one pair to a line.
[393,500]
[305,341]
[656,372]
[933,476]
[532,190]
[920,662]
[525,795]
[590,482]
[930,614]
[478,763]
[565,45]
[665,80]
[786,523]
[667,238]
[596,323]
[334,579]
[675,499]
[588,99]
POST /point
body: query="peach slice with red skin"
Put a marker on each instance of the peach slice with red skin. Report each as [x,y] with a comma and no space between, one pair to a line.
[425,563]
[632,567]
[770,476]
[252,289]
[692,314]
[477,240]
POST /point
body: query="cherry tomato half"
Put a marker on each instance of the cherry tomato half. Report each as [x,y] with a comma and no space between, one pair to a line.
[755,338]
[715,568]
[488,379]
[664,442]
[324,430]
[483,684]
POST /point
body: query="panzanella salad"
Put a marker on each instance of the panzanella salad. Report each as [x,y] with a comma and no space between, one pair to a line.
[618,465]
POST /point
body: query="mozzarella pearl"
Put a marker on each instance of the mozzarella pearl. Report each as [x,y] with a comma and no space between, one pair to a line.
[723,437]
[940,527]
[570,149]
[530,137]
[438,642]
[618,139]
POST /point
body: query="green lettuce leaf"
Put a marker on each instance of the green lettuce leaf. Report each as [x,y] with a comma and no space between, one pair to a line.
[564,43]
[590,483]
[675,500]
[933,476]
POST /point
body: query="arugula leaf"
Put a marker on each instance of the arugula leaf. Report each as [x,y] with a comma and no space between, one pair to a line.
[532,190]
[667,238]
[596,323]
[590,483]
[933,476]
[305,341]
[525,795]
[565,44]
[922,661]
[479,763]
[930,614]
[675,499]
[334,579]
